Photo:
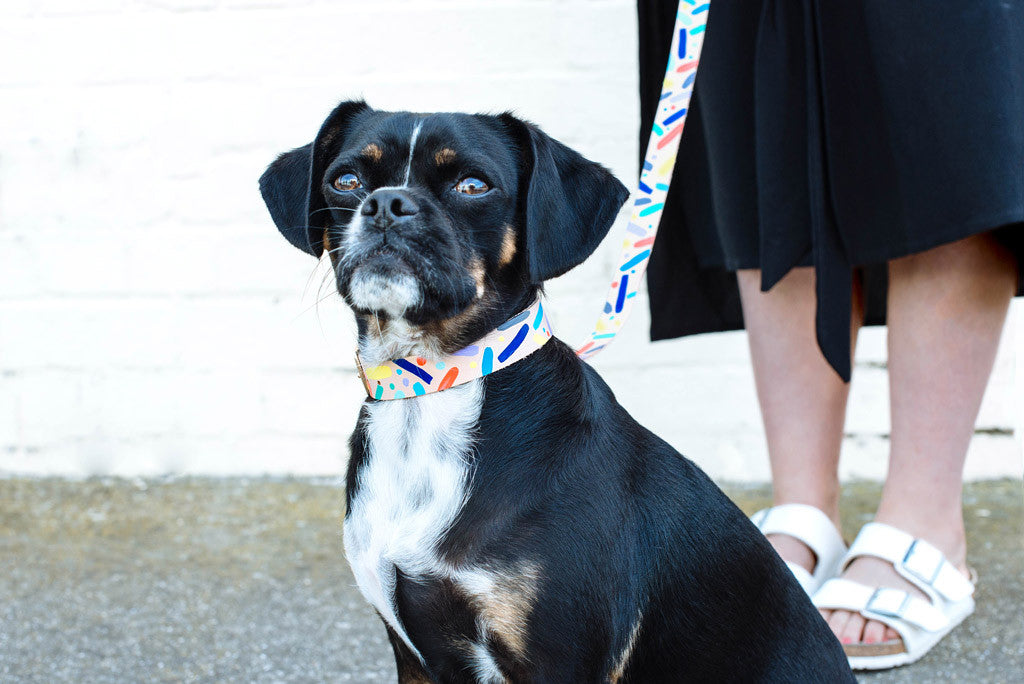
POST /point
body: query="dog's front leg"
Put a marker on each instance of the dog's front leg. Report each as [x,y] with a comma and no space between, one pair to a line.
[410,669]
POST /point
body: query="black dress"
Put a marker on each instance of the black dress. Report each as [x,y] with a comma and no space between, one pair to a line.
[838,135]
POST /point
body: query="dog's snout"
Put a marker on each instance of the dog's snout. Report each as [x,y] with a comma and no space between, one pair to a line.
[389,205]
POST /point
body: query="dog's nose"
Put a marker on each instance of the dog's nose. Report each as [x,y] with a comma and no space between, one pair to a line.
[389,205]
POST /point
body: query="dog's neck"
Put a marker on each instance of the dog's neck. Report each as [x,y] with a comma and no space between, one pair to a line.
[384,339]
[398,361]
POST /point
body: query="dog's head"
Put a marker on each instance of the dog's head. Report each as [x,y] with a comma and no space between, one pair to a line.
[440,225]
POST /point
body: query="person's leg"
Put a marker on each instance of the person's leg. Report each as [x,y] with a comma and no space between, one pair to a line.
[803,400]
[946,311]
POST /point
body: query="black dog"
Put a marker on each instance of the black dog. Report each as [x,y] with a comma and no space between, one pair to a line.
[520,527]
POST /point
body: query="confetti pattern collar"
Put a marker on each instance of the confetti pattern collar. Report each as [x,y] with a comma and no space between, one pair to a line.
[413,376]
[660,159]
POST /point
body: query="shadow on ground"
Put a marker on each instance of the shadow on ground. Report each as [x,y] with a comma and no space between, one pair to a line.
[244,580]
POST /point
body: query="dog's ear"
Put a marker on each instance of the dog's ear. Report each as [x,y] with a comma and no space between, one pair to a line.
[291,185]
[570,203]
[285,189]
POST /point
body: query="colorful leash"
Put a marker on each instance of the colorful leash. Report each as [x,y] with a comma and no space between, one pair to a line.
[660,159]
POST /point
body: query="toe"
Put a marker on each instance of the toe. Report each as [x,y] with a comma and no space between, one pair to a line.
[891,634]
[837,622]
[853,631]
[874,632]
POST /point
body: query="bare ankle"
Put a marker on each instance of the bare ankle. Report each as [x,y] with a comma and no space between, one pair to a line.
[943,529]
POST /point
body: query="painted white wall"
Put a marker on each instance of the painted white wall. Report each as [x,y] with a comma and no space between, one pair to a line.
[153,321]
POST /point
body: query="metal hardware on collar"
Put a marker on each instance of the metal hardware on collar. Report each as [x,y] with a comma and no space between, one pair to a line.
[656,175]
[359,369]
[414,376]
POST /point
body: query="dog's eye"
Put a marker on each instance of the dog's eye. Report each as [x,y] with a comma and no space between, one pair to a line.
[471,186]
[347,183]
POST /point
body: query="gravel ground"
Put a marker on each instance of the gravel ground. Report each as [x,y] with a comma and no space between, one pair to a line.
[224,580]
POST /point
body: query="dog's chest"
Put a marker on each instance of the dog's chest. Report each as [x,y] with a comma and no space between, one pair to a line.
[411,485]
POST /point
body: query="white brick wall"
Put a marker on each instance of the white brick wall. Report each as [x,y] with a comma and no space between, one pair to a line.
[152,320]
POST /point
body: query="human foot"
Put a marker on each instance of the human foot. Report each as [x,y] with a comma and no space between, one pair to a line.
[853,628]
[792,550]
[884,617]
[806,538]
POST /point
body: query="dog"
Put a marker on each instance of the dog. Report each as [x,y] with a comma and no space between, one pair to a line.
[521,526]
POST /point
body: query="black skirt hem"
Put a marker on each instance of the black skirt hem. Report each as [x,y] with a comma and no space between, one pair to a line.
[939,238]
[930,241]
[663,328]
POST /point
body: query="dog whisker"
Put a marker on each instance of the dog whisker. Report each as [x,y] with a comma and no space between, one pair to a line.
[305,289]
[316,304]
[317,211]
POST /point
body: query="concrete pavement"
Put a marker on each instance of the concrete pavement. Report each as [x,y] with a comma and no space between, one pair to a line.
[214,580]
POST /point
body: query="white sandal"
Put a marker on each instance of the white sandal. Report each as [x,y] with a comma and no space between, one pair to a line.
[920,623]
[810,526]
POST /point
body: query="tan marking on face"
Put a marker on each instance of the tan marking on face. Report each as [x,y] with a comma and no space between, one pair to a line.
[476,270]
[448,334]
[444,156]
[508,247]
[620,664]
[372,152]
[505,610]
[327,243]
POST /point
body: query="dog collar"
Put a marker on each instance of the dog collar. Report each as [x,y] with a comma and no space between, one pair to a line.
[414,376]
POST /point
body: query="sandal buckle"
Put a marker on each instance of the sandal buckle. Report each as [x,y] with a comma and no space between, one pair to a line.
[921,556]
[888,602]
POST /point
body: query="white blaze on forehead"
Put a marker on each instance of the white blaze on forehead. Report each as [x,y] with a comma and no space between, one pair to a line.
[412,147]
[356,227]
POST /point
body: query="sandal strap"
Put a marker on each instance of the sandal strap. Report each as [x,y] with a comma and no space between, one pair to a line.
[803,577]
[894,607]
[916,560]
[804,523]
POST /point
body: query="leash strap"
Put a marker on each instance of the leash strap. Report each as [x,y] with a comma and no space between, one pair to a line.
[660,159]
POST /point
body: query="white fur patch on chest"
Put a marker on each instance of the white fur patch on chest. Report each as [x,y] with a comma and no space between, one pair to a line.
[412,484]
